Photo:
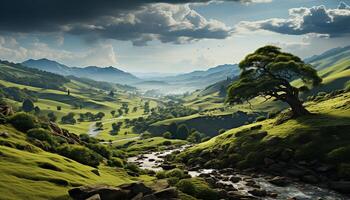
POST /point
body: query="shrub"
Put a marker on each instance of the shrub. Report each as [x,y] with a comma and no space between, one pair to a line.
[176,173]
[80,154]
[23,121]
[86,138]
[339,155]
[197,188]
[344,170]
[173,180]
[27,105]
[167,143]
[167,135]
[115,162]
[42,135]
[161,175]
[100,149]
[205,139]
[260,118]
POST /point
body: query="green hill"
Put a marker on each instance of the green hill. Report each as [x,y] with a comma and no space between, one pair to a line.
[321,136]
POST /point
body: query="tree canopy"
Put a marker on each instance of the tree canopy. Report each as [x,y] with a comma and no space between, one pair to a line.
[267,73]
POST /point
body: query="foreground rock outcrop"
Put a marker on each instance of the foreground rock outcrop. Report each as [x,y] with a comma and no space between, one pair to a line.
[132,191]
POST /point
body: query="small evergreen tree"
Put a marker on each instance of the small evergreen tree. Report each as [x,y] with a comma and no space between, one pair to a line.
[28,105]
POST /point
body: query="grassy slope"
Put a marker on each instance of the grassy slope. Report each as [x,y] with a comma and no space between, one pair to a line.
[92,98]
[22,178]
[330,113]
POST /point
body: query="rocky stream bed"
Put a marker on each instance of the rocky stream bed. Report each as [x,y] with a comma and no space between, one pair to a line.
[243,184]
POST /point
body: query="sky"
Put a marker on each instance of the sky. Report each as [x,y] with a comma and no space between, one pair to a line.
[167,36]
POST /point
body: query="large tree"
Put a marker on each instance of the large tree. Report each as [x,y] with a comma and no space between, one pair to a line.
[268,73]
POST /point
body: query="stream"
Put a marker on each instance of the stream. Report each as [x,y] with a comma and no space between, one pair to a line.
[243,182]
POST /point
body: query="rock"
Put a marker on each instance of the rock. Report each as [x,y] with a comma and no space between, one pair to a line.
[167,166]
[341,186]
[276,168]
[309,179]
[324,168]
[286,154]
[139,196]
[136,188]
[151,160]
[204,175]
[268,161]
[258,193]
[105,192]
[167,193]
[235,179]
[4,135]
[296,172]
[94,197]
[272,194]
[279,181]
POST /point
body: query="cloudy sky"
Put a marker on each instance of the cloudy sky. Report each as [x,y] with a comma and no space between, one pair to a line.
[169,36]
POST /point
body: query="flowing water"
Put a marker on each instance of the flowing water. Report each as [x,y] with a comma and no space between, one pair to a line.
[300,191]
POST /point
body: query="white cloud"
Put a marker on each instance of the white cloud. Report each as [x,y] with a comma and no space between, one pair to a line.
[318,20]
[99,55]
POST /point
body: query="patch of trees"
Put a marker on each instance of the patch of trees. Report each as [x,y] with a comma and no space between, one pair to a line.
[35,77]
[17,94]
[88,116]
[68,119]
[182,132]
[116,128]
[171,110]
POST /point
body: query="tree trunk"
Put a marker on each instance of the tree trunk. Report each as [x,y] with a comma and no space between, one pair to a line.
[297,107]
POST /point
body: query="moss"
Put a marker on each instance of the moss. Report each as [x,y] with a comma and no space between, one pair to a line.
[198,188]
[340,154]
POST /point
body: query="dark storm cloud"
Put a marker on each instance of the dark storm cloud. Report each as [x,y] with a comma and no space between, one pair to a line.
[137,20]
[317,19]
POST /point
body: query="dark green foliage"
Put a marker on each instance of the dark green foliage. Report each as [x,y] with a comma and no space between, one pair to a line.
[52,117]
[182,132]
[194,137]
[340,154]
[28,105]
[172,128]
[68,119]
[100,149]
[115,162]
[80,154]
[23,121]
[42,135]
[167,143]
[86,138]
[167,135]
[37,110]
[197,188]
[268,72]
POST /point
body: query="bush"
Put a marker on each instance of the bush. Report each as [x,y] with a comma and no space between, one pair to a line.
[42,135]
[339,155]
[115,162]
[197,188]
[100,149]
[167,135]
[80,154]
[205,139]
[260,118]
[27,105]
[161,175]
[167,143]
[176,173]
[23,121]
[173,180]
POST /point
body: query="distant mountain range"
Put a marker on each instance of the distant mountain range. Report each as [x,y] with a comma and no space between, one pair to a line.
[168,84]
[110,74]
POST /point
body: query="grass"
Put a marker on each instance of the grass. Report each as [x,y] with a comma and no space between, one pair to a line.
[21,176]
[155,143]
[311,137]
